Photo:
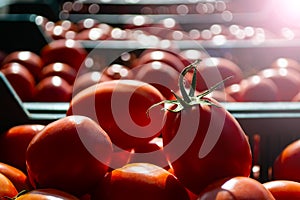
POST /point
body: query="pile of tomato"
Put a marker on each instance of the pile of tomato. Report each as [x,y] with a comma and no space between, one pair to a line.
[154,130]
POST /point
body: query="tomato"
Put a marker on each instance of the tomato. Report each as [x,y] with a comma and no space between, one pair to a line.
[7,189]
[88,79]
[283,189]
[160,75]
[215,69]
[20,79]
[46,194]
[62,70]
[14,143]
[92,34]
[87,23]
[69,154]
[17,177]
[203,141]
[161,55]
[286,63]
[237,188]
[258,89]
[118,71]
[287,163]
[28,59]
[140,181]
[120,107]
[286,81]
[66,51]
[53,89]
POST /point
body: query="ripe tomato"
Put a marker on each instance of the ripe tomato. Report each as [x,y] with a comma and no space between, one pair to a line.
[258,89]
[287,81]
[215,69]
[66,51]
[28,59]
[20,79]
[162,56]
[62,70]
[14,143]
[7,189]
[70,154]
[17,177]
[200,136]
[287,63]
[237,188]
[53,89]
[283,189]
[46,194]
[88,79]
[160,75]
[118,71]
[140,181]
[120,107]
[287,163]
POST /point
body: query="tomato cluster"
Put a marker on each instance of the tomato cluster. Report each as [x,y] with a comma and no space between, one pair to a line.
[154,130]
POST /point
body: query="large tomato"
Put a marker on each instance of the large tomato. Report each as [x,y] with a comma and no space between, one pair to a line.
[71,154]
[283,189]
[236,188]
[120,107]
[287,163]
[46,194]
[140,181]
[14,143]
[203,141]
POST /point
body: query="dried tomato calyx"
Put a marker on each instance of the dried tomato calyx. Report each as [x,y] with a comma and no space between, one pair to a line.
[189,99]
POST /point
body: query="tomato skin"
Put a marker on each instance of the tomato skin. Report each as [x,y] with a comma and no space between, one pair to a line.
[287,163]
[53,89]
[14,143]
[120,107]
[140,181]
[64,50]
[28,59]
[69,154]
[236,188]
[186,130]
[20,79]
[18,178]
[7,189]
[46,194]
[283,189]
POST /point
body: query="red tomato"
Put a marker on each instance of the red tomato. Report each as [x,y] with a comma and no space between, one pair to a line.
[20,79]
[215,69]
[286,63]
[258,89]
[46,194]
[66,51]
[17,177]
[62,70]
[53,89]
[28,59]
[162,56]
[14,143]
[287,82]
[140,181]
[118,71]
[200,137]
[87,23]
[283,189]
[7,189]
[234,91]
[287,163]
[237,188]
[120,107]
[69,154]
[88,79]
[160,75]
